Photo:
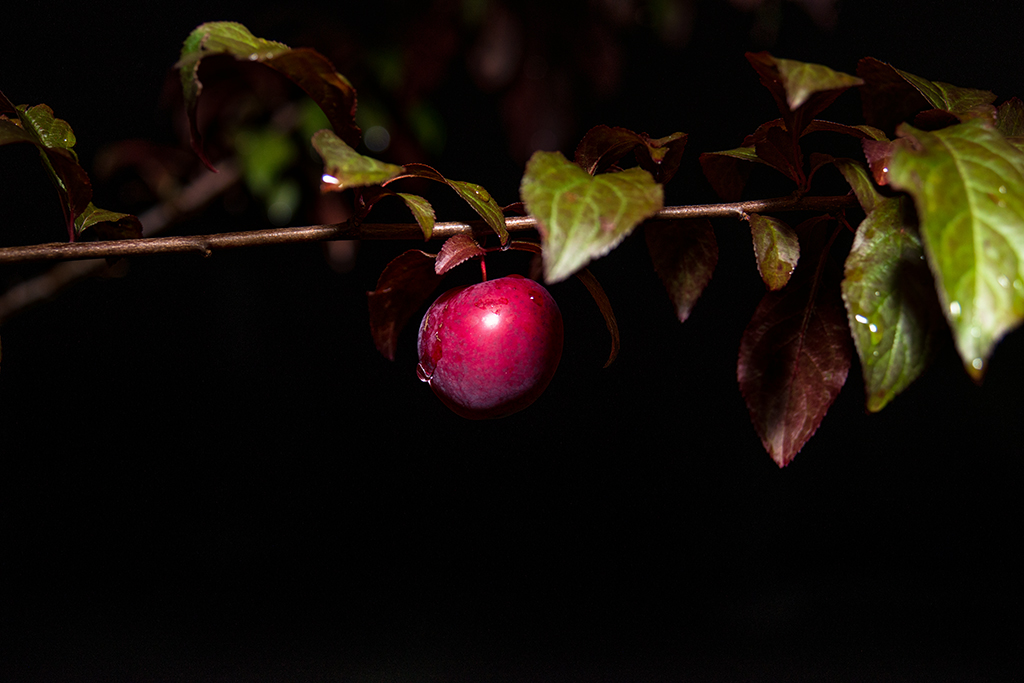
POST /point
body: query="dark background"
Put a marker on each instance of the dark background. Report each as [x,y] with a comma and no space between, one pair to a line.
[207,472]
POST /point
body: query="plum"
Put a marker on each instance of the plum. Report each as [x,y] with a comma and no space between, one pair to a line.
[490,349]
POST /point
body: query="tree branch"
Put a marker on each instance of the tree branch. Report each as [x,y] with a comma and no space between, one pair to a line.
[351,230]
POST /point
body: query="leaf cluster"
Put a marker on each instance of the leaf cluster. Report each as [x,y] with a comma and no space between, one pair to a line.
[940,243]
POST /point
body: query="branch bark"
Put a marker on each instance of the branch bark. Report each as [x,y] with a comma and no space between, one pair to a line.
[355,230]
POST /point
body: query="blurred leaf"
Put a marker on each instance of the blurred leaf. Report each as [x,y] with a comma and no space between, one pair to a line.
[794,358]
[685,254]
[776,249]
[890,300]
[307,68]
[1010,118]
[265,154]
[344,167]
[404,286]
[801,90]
[968,185]
[580,217]
[475,195]
[863,131]
[878,153]
[455,250]
[109,225]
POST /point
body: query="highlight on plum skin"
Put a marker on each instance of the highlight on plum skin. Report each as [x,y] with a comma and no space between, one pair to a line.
[490,349]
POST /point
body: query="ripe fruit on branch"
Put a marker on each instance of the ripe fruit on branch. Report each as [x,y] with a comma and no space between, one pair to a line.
[490,349]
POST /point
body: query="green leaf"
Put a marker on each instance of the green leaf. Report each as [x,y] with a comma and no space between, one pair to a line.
[474,195]
[344,167]
[685,254]
[421,210]
[890,96]
[890,299]
[801,90]
[580,217]
[307,68]
[968,185]
[109,225]
[776,249]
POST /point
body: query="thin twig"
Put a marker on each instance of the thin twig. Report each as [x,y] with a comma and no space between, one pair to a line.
[349,230]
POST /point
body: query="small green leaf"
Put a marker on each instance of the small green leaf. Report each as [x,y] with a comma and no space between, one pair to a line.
[968,185]
[475,195]
[776,249]
[344,167]
[307,68]
[685,254]
[108,225]
[801,90]
[580,217]
[421,210]
[890,299]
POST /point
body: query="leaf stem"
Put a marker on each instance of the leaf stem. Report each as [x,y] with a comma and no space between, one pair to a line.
[350,230]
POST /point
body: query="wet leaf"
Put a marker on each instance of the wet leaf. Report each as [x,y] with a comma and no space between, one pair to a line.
[776,249]
[404,285]
[580,217]
[455,250]
[307,68]
[685,254]
[890,300]
[794,358]
[475,195]
[108,225]
[53,138]
[344,167]
[968,186]
[801,90]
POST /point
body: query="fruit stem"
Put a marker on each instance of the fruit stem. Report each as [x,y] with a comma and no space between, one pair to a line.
[483,268]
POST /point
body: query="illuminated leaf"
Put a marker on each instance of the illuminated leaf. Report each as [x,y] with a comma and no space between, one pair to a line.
[108,225]
[580,217]
[801,90]
[968,185]
[455,250]
[344,167]
[776,249]
[475,195]
[890,300]
[307,68]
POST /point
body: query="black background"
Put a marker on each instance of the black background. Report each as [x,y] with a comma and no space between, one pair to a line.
[209,474]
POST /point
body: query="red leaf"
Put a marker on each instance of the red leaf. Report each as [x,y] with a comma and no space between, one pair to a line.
[455,250]
[403,287]
[794,358]
[684,254]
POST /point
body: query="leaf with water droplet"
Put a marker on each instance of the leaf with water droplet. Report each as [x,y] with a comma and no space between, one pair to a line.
[685,254]
[794,358]
[344,167]
[890,299]
[404,285]
[776,249]
[307,68]
[580,217]
[968,185]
